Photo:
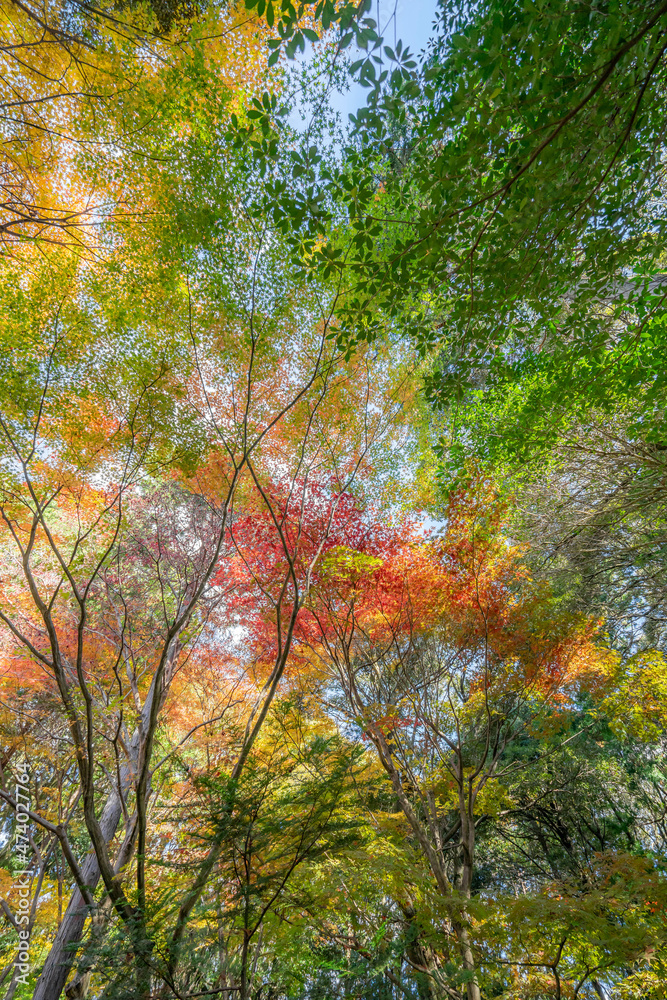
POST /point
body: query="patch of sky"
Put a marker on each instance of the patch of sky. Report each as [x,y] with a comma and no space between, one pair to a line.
[410,21]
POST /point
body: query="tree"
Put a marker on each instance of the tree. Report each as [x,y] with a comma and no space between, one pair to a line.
[130,526]
[446,656]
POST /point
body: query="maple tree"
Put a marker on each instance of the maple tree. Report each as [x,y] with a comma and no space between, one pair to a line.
[123,580]
[125,569]
[467,677]
[444,663]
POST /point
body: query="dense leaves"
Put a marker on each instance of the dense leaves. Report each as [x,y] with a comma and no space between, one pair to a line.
[332,548]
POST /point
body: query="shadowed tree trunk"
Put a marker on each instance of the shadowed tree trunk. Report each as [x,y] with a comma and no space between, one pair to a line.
[61,957]
[63,950]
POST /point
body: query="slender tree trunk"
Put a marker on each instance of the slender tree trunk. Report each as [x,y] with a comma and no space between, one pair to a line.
[472,989]
[420,959]
[465,869]
[243,993]
[13,982]
[61,956]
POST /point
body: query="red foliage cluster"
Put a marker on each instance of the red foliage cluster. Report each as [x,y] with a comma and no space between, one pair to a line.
[357,576]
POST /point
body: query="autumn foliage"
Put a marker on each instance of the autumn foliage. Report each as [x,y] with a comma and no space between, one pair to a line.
[296,701]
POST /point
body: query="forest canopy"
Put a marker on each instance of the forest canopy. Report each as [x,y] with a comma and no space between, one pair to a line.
[333,501]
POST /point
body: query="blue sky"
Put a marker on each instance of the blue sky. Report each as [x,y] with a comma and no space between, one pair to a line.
[413,20]
[409,20]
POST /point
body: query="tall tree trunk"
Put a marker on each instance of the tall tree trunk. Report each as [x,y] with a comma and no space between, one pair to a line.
[463,882]
[61,956]
[420,958]
[472,988]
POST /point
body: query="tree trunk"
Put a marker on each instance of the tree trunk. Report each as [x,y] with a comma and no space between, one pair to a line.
[61,956]
[472,988]
[464,879]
